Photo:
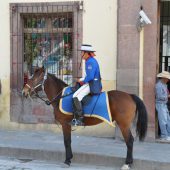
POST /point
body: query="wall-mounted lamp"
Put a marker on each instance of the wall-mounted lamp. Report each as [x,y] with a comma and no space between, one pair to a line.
[14,8]
[142,20]
[81,5]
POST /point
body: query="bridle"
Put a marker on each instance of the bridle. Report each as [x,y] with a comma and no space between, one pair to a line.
[40,83]
[33,90]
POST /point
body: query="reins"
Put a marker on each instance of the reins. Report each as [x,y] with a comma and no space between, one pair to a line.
[57,97]
[47,102]
[33,90]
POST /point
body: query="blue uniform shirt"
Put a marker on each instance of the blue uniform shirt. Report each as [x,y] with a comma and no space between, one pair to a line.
[92,70]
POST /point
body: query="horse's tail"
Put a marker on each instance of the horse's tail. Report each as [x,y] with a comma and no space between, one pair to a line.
[142,120]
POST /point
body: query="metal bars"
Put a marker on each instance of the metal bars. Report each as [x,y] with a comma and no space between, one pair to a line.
[46,34]
[165,37]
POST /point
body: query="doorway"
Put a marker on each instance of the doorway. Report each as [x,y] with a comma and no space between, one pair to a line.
[164,51]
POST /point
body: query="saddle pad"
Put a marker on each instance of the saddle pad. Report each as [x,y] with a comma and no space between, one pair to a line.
[97,107]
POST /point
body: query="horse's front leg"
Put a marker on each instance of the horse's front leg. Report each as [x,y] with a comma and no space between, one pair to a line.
[67,142]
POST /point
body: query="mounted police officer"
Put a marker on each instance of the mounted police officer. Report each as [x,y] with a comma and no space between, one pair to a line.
[91,83]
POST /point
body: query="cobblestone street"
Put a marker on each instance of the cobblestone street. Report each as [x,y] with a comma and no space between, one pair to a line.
[7,163]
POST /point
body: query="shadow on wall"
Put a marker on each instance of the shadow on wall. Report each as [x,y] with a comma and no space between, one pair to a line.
[4,96]
[0,86]
[0,98]
[4,99]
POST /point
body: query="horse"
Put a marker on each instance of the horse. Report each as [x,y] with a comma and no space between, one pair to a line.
[124,109]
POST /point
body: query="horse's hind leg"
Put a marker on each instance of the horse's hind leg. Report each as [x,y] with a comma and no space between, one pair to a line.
[129,143]
[67,143]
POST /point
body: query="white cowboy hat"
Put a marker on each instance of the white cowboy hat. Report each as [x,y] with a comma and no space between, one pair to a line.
[87,47]
[164,74]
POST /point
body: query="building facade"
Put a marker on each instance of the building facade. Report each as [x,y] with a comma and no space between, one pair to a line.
[129,58]
[34,30]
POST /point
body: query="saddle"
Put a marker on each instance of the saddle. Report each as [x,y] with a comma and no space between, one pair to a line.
[93,105]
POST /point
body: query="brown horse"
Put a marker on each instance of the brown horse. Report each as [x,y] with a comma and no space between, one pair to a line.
[123,106]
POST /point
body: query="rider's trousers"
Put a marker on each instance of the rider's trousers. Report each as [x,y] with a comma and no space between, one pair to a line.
[82,92]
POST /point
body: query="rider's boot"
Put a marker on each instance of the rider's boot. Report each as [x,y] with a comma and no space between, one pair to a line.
[80,121]
[78,113]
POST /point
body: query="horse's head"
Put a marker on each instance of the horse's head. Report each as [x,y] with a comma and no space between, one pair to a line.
[34,84]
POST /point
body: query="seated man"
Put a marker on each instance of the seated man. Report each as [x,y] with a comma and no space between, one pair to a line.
[90,84]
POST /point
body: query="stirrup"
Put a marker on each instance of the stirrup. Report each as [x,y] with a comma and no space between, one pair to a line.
[76,122]
[73,122]
[80,123]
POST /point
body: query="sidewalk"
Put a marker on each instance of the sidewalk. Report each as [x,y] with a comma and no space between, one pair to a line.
[86,150]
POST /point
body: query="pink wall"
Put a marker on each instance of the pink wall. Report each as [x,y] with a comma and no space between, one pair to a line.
[128,53]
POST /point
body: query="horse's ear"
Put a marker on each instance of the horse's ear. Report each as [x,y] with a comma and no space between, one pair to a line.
[43,68]
[36,69]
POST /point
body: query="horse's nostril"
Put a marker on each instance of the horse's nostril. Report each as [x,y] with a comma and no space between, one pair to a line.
[23,93]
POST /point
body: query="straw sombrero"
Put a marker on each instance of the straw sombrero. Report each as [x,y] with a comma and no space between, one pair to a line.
[164,74]
[87,47]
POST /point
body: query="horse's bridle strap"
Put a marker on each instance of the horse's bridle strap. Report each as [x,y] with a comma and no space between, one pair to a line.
[28,86]
[33,87]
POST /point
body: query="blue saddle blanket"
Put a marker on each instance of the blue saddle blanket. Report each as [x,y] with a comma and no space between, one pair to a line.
[98,106]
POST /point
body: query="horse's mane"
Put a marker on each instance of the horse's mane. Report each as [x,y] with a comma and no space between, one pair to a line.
[58,81]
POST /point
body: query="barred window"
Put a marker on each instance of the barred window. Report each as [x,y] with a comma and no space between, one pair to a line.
[48,42]
[43,34]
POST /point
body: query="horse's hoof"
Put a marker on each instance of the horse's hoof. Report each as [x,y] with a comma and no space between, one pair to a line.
[125,167]
[65,165]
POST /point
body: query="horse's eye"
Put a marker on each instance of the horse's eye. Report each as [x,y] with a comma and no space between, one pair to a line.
[31,76]
[36,70]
